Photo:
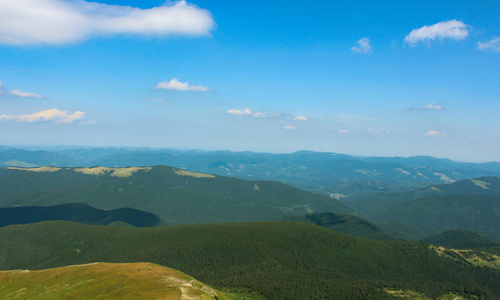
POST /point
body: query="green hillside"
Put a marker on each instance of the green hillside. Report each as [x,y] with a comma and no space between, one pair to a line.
[280,260]
[99,281]
[378,201]
[76,212]
[473,212]
[461,239]
[348,224]
[175,195]
[481,185]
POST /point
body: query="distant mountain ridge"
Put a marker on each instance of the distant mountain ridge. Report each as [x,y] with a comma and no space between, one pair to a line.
[327,173]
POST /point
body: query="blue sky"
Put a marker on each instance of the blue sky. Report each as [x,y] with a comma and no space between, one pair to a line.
[378,78]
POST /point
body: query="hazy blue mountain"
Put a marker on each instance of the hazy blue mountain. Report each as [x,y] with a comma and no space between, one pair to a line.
[333,174]
[23,158]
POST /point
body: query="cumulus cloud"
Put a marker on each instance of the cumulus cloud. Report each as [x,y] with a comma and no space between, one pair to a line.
[18,93]
[431,132]
[343,130]
[176,85]
[56,22]
[456,30]
[237,112]
[298,118]
[364,46]
[288,127]
[55,115]
[493,45]
[428,107]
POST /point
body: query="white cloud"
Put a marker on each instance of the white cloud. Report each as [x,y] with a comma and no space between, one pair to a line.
[453,29]
[89,122]
[431,106]
[298,118]
[56,22]
[265,115]
[353,119]
[433,133]
[1,84]
[428,107]
[56,115]
[343,130]
[364,46]
[288,127]
[237,112]
[18,93]
[176,85]
[493,45]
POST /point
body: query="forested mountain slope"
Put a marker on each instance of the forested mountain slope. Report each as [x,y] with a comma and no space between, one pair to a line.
[175,195]
[280,260]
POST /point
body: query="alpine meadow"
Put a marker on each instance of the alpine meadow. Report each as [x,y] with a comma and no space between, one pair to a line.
[249,150]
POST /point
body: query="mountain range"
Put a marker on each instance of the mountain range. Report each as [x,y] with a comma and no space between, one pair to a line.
[335,174]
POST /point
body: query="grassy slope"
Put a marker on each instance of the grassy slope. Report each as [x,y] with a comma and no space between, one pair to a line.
[281,260]
[105,281]
[178,199]
[348,224]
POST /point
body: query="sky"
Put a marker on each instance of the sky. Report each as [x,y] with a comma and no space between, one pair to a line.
[378,78]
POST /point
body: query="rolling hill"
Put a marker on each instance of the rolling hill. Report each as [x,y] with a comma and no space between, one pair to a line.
[472,204]
[279,260]
[347,224]
[76,212]
[99,281]
[461,239]
[175,195]
[472,212]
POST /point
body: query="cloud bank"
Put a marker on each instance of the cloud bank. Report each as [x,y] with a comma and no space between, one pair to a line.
[364,46]
[176,85]
[56,22]
[54,115]
[456,30]
[493,45]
